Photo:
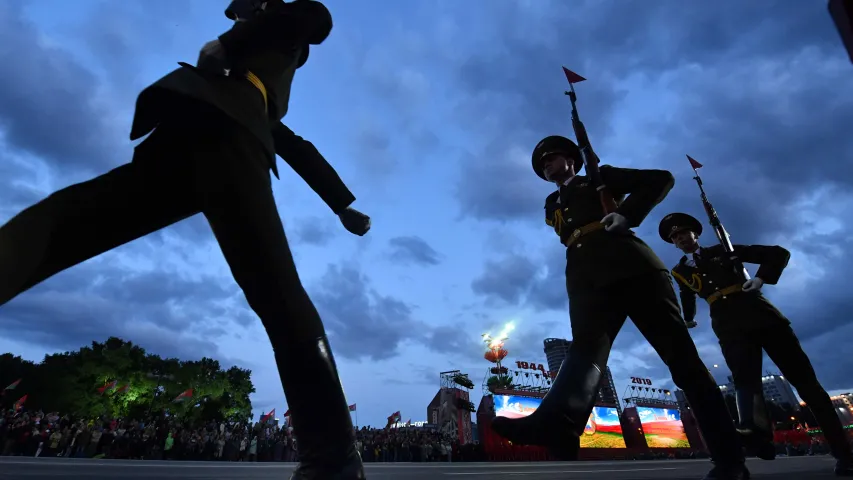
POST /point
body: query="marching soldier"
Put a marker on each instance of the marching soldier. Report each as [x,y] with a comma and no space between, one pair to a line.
[747,323]
[216,132]
[612,275]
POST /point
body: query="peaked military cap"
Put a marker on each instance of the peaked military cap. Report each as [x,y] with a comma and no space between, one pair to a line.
[678,222]
[555,144]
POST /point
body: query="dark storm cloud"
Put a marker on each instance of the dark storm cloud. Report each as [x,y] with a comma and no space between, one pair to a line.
[313,231]
[361,322]
[163,311]
[48,100]
[413,250]
[517,279]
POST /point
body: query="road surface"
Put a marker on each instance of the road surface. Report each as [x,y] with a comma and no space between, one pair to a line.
[818,467]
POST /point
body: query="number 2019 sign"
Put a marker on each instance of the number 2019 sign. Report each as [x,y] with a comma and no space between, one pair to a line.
[641,381]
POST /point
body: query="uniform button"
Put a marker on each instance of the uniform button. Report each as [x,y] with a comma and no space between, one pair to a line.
[704,275]
[724,297]
[568,220]
[579,245]
[710,281]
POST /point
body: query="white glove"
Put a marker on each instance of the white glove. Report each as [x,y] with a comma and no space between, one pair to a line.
[691,324]
[615,222]
[753,285]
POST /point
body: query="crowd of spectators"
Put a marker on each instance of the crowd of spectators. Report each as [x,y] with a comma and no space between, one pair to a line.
[39,434]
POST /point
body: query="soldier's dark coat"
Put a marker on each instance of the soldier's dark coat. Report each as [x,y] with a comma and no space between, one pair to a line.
[600,258]
[714,271]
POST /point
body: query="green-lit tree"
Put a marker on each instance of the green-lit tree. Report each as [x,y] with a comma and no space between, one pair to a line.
[144,383]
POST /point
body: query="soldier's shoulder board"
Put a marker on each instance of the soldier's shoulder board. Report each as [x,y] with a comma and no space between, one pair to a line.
[552,198]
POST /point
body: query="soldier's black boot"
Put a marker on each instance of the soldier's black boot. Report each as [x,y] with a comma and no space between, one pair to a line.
[824,412]
[754,427]
[319,413]
[718,429]
[844,468]
[560,419]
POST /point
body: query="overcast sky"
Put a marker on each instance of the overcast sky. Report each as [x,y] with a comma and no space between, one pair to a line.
[429,111]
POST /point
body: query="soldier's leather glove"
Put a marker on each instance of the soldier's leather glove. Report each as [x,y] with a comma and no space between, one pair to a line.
[691,324]
[616,223]
[354,221]
[753,285]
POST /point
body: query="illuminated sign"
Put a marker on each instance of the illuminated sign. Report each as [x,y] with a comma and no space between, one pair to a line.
[531,366]
[641,381]
[413,424]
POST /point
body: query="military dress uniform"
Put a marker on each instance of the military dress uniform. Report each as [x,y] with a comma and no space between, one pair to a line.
[214,142]
[610,277]
[747,323]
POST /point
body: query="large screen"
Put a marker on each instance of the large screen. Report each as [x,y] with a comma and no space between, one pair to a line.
[663,427]
[602,430]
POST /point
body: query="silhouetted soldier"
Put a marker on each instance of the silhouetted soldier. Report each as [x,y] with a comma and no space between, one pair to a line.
[747,325]
[612,275]
[216,132]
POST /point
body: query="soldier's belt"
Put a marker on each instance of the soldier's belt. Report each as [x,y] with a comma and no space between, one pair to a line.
[584,230]
[254,80]
[722,293]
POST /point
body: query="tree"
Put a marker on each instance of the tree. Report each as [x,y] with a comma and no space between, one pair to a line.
[138,383]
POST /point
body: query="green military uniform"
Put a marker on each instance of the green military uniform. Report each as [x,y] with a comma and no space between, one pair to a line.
[746,324]
[213,144]
[610,277]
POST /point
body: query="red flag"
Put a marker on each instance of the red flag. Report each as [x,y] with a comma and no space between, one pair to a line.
[11,386]
[17,406]
[394,418]
[107,387]
[123,388]
[268,417]
[572,77]
[287,413]
[693,163]
[187,394]
[352,408]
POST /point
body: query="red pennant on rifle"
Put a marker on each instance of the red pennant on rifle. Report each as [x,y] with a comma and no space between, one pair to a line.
[572,77]
[693,163]
[287,413]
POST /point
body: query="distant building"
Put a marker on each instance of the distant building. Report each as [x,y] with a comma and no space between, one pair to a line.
[556,350]
[777,389]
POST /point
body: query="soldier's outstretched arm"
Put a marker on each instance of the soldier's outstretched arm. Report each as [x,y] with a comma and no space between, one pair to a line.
[304,158]
[771,260]
[281,26]
[644,189]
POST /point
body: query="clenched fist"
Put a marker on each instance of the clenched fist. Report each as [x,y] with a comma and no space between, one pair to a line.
[354,221]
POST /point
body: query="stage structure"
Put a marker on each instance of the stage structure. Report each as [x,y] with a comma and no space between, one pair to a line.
[451,408]
[523,383]
[645,396]
[661,420]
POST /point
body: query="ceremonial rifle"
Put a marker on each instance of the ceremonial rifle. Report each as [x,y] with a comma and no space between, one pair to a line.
[590,159]
[716,224]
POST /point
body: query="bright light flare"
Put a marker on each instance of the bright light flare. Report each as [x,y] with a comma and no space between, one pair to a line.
[496,342]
